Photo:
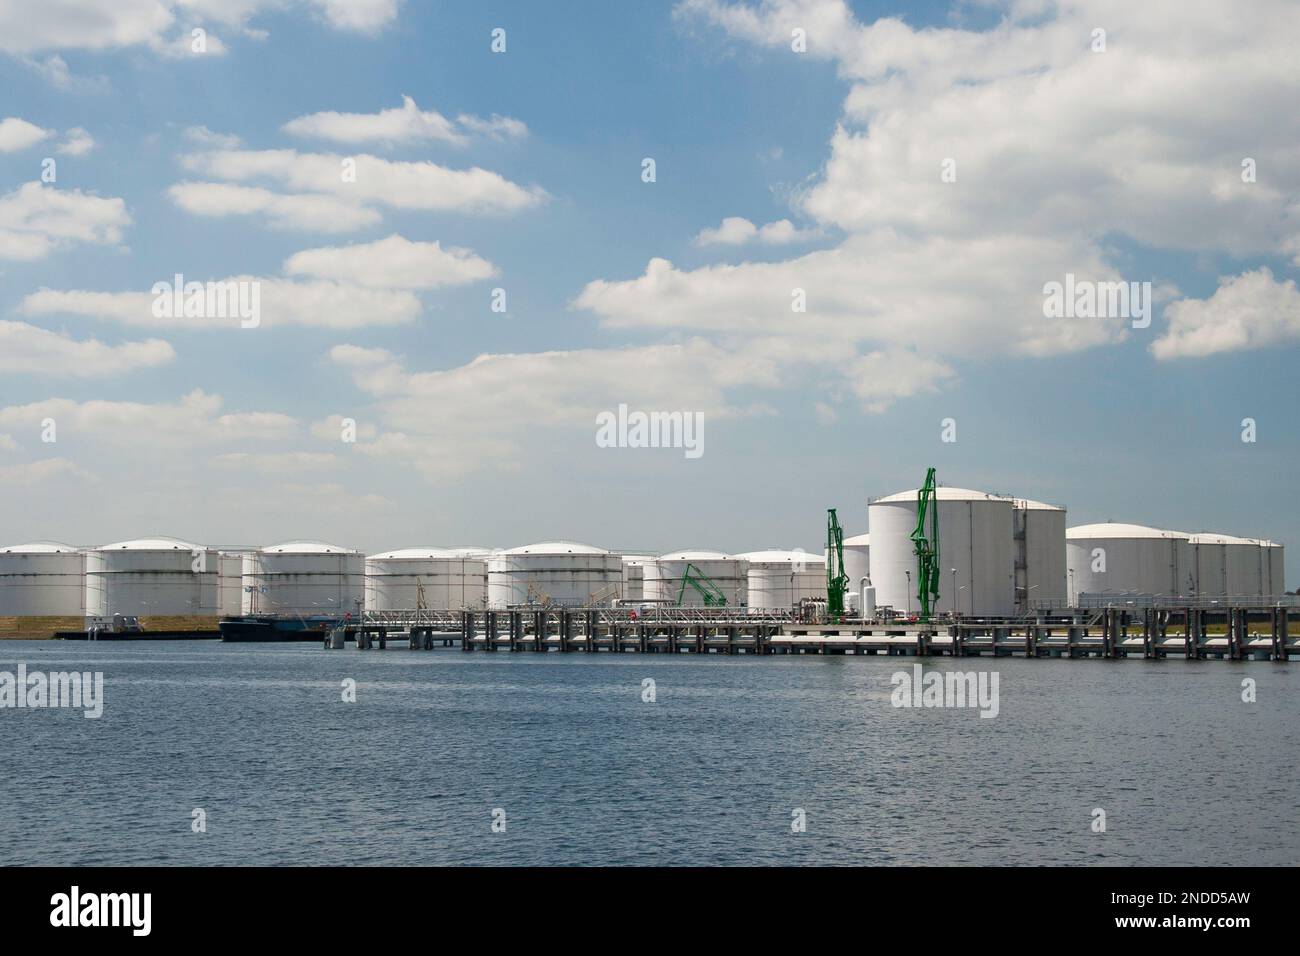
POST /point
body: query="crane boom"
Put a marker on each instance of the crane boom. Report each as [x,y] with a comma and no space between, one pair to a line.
[837,581]
[712,594]
[925,544]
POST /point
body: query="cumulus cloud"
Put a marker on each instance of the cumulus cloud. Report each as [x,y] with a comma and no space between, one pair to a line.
[18,134]
[392,263]
[76,142]
[39,473]
[736,231]
[320,303]
[29,350]
[276,462]
[163,25]
[35,219]
[1249,311]
[404,124]
[303,212]
[398,185]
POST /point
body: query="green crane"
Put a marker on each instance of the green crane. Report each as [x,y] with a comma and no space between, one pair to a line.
[926,546]
[712,594]
[837,582]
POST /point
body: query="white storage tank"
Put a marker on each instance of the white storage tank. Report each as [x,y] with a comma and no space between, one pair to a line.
[1274,558]
[857,559]
[394,580]
[779,580]
[663,578]
[231,564]
[153,577]
[42,579]
[634,576]
[1209,565]
[1124,559]
[304,578]
[976,537]
[1040,554]
[554,572]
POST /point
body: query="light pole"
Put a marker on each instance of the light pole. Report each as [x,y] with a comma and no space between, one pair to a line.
[954,592]
[1071,570]
[909,592]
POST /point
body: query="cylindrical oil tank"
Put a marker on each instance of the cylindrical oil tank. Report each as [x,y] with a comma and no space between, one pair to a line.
[976,537]
[779,580]
[395,579]
[304,578]
[857,559]
[663,578]
[1040,554]
[231,564]
[1209,566]
[153,577]
[1128,559]
[634,576]
[42,579]
[1273,558]
[554,572]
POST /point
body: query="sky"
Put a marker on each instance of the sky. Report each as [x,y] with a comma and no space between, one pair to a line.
[823,230]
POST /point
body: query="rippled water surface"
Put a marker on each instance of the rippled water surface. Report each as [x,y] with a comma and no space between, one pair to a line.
[587,773]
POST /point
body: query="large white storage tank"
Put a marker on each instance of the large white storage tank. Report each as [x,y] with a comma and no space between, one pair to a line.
[634,576]
[304,577]
[663,577]
[976,537]
[42,579]
[779,580]
[554,572]
[1040,554]
[153,577]
[1274,558]
[231,564]
[1209,565]
[857,559]
[394,580]
[1136,560]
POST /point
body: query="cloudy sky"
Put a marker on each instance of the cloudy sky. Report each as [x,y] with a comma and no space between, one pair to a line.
[914,173]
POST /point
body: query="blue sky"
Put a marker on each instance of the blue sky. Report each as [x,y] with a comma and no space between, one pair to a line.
[1138,181]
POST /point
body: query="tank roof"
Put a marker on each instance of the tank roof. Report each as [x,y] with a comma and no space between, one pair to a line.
[555,547]
[151,544]
[39,547]
[858,539]
[944,493]
[777,556]
[694,555]
[1116,529]
[1211,537]
[410,554]
[305,547]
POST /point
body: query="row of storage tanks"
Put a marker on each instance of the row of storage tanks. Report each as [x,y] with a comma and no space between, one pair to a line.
[169,577]
[999,556]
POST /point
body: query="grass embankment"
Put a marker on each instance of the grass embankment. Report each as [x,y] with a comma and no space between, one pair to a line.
[44,628]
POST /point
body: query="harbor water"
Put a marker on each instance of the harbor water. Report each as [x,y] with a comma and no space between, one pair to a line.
[734,760]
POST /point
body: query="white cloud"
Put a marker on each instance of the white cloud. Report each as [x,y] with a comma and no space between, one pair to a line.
[276,462]
[41,472]
[302,212]
[501,400]
[1249,311]
[161,25]
[206,137]
[736,231]
[404,124]
[399,185]
[76,142]
[880,378]
[35,219]
[195,419]
[27,349]
[392,263]
[18,134]
[320,303]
